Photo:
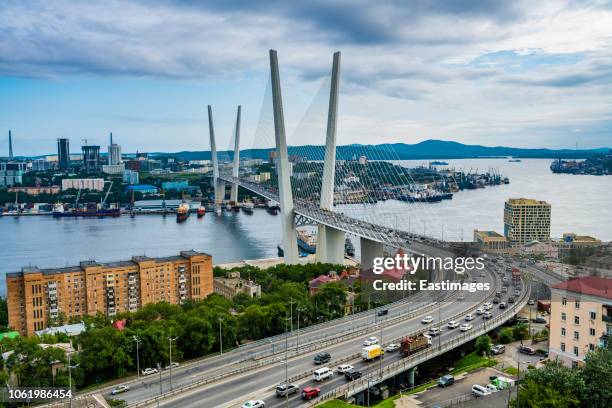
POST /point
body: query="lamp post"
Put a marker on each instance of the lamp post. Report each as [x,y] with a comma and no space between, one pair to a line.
[220,337]
[70,367]
[297,343]
[137,341]
[170,340]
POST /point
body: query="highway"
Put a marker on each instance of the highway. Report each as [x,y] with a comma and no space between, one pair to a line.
[259,384]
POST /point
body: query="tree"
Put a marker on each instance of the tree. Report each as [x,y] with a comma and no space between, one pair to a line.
[506,335]
[520,332]
[483,345]
[597,374]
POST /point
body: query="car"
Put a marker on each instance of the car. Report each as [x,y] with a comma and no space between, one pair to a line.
[383,312]
[531,302]
[496,300]
[446,380]
[343,368]
[310,393]
[502,305]
[468,317]
[480,391]
[479,311]
[120,388]
[452,324]
[461,297]
[510,299]
[487,306]
[487,315]
[370,341]
[282,389]
[526,350]
[427,319]
[505,289]
[254,404]
[322,373]
[465,327]
[149,371]
[352,375]
[491,388]
[517,292]
[522,319]
[392,347]
[498,349]
[434,331]
[173,365]
[322,358]
[539,319]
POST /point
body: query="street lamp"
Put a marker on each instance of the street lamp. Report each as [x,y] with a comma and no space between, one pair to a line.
[170,340]
[70,367]
[138,341]
[220,337]
[297,343]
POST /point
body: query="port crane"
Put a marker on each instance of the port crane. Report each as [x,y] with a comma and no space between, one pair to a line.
[107,193]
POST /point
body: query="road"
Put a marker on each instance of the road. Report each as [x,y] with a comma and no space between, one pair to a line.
[260,384]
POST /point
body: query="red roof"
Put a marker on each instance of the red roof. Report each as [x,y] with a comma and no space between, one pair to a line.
[320,280]
[590,285]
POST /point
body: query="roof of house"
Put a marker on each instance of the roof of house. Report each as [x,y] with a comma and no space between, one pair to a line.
[590,285]
[68,329]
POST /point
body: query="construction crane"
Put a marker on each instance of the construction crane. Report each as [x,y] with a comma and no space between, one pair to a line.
[107,192]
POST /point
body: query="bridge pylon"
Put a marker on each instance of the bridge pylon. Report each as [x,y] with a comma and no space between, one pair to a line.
[218,185]
[236,164]
[282,167]
[330,241]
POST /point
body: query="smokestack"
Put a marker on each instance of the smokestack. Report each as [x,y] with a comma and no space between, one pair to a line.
[10,145]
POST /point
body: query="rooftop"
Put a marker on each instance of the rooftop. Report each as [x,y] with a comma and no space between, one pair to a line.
[526,201]
[590,285]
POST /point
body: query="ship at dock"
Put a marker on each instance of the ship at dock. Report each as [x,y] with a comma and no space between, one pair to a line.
[182,212]
[201,211]
[247,207]
[89,210]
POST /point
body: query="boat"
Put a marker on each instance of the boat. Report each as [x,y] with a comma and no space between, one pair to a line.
[201,211]
[90,210]
[438,163]
[182,212]
[307,242]
[248,207]
[349,249]
[280,250]
[272,209]
[515,160]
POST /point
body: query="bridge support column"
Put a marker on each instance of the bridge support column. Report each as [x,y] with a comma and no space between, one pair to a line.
[283,167]
[369,251]
[236,166]
[217,184]
[330,241]
[411,373]
[330,245]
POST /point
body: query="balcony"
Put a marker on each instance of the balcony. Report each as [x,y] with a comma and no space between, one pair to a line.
[182,279]
[606,318]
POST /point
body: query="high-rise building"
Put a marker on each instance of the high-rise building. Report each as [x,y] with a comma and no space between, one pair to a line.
[114,153]
[10,156]
[91,158]
[36,297]
[526,220]
[580,318]
[63,154]
[130,177]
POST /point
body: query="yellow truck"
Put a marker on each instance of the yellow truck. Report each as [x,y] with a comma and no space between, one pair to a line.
[373,352]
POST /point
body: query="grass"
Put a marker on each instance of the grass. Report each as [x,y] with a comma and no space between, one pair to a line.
[510,370]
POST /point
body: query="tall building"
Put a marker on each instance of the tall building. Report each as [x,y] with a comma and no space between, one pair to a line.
[130,177]
[91,158]
[526,220]
[10,156]
[580,318]
[63,153]
[36,297]
[114,153]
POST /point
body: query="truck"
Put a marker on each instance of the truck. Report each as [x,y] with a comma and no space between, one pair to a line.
[412,344]
[516,274]
[372,352]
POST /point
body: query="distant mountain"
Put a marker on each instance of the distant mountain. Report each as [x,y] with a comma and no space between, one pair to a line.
[426,150]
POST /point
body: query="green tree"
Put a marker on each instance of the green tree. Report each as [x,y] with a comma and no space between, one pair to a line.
[520,332]
[506,335]
[483,345]
[597,374]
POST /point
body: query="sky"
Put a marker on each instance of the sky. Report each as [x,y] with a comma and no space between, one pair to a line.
[512,73]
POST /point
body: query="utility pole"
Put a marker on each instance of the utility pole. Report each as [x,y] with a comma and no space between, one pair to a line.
[291,308]
[220,337]
[286,363]
[170,340]
[137,340]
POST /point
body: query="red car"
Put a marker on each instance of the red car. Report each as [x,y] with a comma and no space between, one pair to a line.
[310,393]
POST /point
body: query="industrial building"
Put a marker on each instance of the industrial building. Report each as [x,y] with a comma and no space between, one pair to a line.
[94,184]
[526,220]
[36,297]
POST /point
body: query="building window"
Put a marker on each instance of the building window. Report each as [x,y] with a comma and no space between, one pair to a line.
[576,351]
[563,316]
[576,335]
[591,347]
[592,331]
[563,331]
[563,347]
[577,304]
[593,315]
[576,320]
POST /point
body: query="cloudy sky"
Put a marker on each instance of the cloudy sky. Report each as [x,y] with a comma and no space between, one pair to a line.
[514,73]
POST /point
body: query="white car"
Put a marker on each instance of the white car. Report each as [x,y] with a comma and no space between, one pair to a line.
[461,297]
[434,331]
[487,315]
[487,306]
[491,388]
[173,365]
[465,327]
[452,324]
[392,347]
[120,388]
[469,316]
[149,371]
[370,341]
[427,319]
[343,368]
[480,391]
[479,311]
[254,404]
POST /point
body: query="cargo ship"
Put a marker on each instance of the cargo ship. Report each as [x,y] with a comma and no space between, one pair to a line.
[182,212]
[90,210]
[248,207]
[272,209]
[201,211]
[307,242]
[438,163]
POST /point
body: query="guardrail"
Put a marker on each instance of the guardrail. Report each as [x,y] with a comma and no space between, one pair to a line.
[345,391]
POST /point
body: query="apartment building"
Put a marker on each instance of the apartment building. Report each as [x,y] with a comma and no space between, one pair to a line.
[526,220]
[37,297]
[581,318]
[233,284]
